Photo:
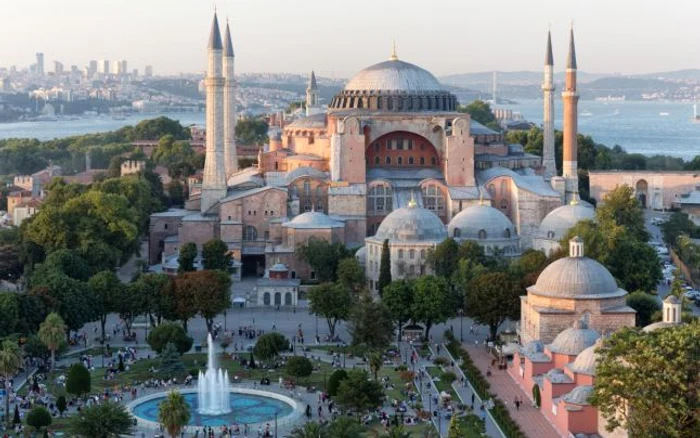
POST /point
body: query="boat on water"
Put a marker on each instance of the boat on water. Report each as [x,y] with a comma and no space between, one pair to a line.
[664,114]
[586,113]
[696,117]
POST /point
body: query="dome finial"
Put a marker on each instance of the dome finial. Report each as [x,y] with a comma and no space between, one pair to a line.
[575,199]
[393,56]
[412,203]
[481,197]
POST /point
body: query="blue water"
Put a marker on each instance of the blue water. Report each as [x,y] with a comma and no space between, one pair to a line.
[246,409]
[636,126]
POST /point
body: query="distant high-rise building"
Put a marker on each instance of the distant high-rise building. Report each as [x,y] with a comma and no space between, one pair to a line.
[40,64]
[135,73]
[58,68]
[116,65]
[104,66]
[123,68]
[92,67]
[149,71]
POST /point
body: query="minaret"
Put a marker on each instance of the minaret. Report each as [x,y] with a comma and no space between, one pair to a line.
[214,180]
[311,95]
[570,98]
[231,158]
[548,161]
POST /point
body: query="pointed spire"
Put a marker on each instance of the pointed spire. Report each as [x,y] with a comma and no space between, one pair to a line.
[393,56]
[228,45]
[549,58]
[312,81]
[571,61]
[215,35]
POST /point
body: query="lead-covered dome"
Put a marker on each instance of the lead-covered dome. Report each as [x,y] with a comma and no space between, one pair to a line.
[576,276]
[394,75]
[313,220]
[587,361]
[411,224]
[574,340]
[481,222]
[560,220]
[394,86]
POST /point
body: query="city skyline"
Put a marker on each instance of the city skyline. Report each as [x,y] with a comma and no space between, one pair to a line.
[292,37]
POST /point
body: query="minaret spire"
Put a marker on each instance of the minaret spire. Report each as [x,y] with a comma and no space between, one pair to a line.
[548,154]
[393,56]
[214,180]
[570,97]
[312,95]
[230,119]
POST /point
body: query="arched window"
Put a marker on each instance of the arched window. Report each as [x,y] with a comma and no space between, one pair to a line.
[376,160]
[319,193]
[276,165]
[433,161]
[388,160]
[412,254]
[506,233]
[412,270]
[410,160]
[433,198]
[482,234]
[266,299]
[550,234]
[250,233]
[400,254]
[422,253]
[504,204]
[399,160]
[457,233]
[492,189]
[380,199]
[307,187]
[307,205]
[422,159]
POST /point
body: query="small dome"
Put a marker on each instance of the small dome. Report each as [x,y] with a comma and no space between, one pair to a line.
[313,220]
[533,347]
[279,267]
[576,276]
[412,223]
[574,340]
[394,75]
[556,224]
[361,255]
[579,395]
[672,299]
[587,361]
[481,222]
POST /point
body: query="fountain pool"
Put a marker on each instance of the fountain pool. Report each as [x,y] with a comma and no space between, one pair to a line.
[245,409]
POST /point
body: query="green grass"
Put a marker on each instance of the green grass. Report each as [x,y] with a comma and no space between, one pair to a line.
[471,426]
[442,385]
[416,431]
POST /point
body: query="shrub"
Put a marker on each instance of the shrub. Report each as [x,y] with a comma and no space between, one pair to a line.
[402,367]
[448,377]
[170,362]
[61,404]
[169,332]
[441,361]
[407,376]
[39,417]
[78,380]
[334,381]
[536,394]
[299,366]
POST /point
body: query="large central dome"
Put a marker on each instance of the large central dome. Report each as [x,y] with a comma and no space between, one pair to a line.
[394,75]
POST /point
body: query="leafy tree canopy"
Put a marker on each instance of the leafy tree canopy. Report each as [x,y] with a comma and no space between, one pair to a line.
[270,345]
[215,255]
[186,257]
[370,324]
[480,111]
[323,257]
[102,421]
[169,333]
[645,304]
[491,299]
[358,393]
[78,380]
[433,301]
[331,301]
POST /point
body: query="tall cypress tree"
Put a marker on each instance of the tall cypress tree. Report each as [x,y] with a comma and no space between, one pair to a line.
[384,268]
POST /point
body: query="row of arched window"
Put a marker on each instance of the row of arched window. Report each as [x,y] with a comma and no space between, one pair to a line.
[483,235]
[400,161]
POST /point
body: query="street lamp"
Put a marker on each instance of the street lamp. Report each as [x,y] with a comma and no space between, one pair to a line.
[461,324]
[316,314]
[275,424]
[225,322]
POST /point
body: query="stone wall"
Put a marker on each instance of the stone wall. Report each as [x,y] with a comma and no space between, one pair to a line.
[661,189]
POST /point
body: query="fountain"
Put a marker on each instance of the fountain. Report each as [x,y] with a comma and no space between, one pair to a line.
[213,386]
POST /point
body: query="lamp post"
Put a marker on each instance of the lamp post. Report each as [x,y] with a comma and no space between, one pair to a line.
[461,324]
[316,314]
[225,322]
[275,424]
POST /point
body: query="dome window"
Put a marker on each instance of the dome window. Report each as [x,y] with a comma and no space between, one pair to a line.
[410,160]
[506,233]
[400,254]
[457,233]
[482,234]
[550,234]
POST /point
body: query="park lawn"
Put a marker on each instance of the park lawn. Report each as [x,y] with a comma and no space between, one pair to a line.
[417,431]
[440,384]
[471,426]
[399,385]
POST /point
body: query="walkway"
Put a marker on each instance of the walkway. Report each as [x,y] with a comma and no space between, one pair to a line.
[531,421]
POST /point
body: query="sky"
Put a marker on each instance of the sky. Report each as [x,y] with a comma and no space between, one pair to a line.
[338,38]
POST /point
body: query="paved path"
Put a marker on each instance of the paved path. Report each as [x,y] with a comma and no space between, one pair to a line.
[530,419]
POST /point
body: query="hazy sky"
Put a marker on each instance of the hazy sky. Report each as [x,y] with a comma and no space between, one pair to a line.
[338,38]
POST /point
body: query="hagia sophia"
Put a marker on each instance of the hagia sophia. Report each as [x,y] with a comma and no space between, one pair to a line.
[388,158]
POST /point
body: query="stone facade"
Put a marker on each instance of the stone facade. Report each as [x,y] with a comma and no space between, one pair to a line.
[657,190]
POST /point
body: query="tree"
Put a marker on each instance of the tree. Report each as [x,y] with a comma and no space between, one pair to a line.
[32,313]
[174,413]
[131,302]
[375,364]
[39,418]
[334,381]
[10,363]
[344,427]
[491,299]
[155,293]
[647,383]
[64,261]
[443,259]
[299,367]
[536,396]
[251,132]
[310,429]
[69,298]
[397,432]
[370,324]
[186,257]
[104,420]
[677,224]
[207,291]
[398,299]
[170,361]
[359,394]
[384,268]
[61,404]
[9,309]
[351,274]
[78,380]
[215,255]
[181,298]
[433,301]
[645,305]
[169,333]
[620,207]
[105,287]
[270,345]
[454,431]
[323,257]
[154,129]
[51,333]
[480,111]
[10,266]
[331,301]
